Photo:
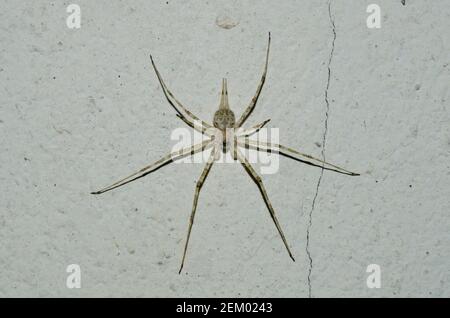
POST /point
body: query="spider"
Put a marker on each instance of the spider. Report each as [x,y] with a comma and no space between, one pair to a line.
[225,135]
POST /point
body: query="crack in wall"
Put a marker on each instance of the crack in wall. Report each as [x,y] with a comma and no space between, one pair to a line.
[324,139]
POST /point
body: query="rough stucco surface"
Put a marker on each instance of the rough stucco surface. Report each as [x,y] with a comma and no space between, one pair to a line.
[81,108]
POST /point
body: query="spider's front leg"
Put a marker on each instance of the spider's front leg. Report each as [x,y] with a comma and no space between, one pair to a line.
[198,187]
[257,179]
[294,154]
[188,151]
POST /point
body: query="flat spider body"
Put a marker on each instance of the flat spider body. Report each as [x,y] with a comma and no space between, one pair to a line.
[230,130]
[224,119]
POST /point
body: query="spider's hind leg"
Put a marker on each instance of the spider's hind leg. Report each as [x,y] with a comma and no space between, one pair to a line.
[254,100]
[183,113]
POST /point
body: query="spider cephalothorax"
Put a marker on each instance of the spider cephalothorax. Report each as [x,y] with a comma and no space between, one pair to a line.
[230,131]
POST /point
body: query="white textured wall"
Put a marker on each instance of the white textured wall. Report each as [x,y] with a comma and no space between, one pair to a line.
[81,108]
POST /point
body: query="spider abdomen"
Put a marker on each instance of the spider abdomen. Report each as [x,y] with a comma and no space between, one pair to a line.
[223,119]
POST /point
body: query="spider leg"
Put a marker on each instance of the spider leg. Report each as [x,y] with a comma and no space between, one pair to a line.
[158,164]
[257,179]
[210,132]
[198,187]
[190,118]
[234,148]
[294,154]
[254,100]
[253,130]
